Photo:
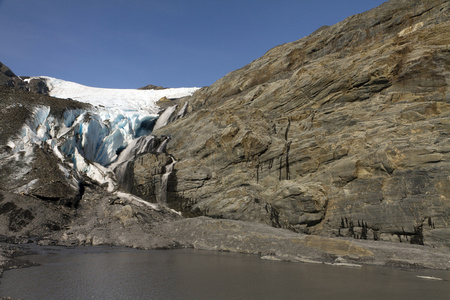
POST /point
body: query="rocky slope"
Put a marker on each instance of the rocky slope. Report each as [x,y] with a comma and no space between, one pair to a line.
[342,133]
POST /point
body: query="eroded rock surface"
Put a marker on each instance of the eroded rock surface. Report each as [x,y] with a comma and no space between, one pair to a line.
[342,133]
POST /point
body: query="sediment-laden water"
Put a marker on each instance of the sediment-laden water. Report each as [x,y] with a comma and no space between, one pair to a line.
[105,273]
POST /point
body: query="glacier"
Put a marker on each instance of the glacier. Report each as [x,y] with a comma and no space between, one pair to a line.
[122,100]
[93,142]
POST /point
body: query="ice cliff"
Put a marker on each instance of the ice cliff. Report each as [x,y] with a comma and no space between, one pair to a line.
[93,139]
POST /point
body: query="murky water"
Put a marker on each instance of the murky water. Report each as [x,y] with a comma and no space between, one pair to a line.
[104,273]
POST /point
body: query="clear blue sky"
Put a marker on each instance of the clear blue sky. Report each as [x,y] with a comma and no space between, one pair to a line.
[172,43]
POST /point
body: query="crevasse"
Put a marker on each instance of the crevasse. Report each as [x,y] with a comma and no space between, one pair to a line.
[91,141]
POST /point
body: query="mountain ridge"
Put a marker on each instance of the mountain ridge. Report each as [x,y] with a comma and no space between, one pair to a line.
[334,147]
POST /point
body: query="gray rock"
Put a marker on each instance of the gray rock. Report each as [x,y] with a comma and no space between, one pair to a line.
[9,79]
[6,76]
[37,85]
[350,123]
[343,135]
[151,87]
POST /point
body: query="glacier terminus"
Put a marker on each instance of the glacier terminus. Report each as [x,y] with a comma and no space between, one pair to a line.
[91,141]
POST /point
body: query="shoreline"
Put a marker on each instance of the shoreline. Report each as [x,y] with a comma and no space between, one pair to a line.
[183,274]
[246,238]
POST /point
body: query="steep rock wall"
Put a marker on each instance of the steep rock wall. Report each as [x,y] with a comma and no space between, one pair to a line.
[344,132]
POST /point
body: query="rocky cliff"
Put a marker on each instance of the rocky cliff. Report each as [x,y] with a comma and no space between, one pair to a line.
[342,133]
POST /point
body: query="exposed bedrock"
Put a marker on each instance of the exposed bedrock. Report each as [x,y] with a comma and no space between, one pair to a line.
[344,132]
[9,79]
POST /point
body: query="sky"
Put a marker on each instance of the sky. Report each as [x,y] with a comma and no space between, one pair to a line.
[171,43]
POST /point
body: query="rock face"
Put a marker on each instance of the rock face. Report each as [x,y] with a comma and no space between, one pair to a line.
[9,79]
[151,87]
[34,85]
[342,133]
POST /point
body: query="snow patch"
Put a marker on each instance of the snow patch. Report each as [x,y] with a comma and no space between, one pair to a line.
[27,187]
[429,277]
[137,200]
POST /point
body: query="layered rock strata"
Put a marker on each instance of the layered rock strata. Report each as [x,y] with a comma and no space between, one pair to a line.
[342,133]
